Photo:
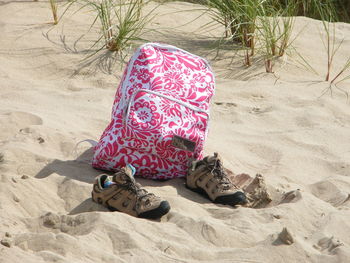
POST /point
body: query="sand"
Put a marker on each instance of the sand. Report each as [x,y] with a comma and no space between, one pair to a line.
[278,125]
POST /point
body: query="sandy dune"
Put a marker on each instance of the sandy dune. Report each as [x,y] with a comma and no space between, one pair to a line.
[277,125]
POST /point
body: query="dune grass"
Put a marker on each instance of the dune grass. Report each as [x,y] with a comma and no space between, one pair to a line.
[262,25]
[332,46]
[237,16]
[315,8]
[307,8]
[267,25]
[258,26]
[239,20]
[54,7]
[121,22]
[275,26]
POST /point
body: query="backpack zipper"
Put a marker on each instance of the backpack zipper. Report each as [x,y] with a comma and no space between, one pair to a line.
[187,105]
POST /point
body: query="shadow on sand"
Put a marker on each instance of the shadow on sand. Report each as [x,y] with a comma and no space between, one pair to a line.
[80,169]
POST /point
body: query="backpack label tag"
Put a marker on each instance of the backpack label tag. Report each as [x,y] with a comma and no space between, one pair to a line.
[183,143]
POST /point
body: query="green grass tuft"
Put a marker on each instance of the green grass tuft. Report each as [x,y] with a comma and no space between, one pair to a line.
[275,26]
[121,22]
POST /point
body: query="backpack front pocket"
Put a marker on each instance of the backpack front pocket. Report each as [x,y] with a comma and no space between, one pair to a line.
[158,124]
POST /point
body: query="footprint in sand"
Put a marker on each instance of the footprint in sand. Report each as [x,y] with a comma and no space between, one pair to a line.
[229,109]
[304,122]
[23,119]
[340,168]
[29,169]
[260,110]
[295,102]
[72,88]
[257,97]
[13,122]
[331,192]
[328,244]
[270,155]
[65,223]
[226,104]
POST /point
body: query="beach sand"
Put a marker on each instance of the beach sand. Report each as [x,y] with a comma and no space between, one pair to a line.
[283,126]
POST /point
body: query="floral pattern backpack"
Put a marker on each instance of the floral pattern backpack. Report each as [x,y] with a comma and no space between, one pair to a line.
[160,114]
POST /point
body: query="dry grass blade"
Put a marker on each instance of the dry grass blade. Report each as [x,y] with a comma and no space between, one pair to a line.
[53,5]
[285,42]
[341,72]
[304,62]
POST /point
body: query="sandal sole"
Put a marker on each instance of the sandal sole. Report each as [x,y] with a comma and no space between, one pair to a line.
[237,198]
[158,212]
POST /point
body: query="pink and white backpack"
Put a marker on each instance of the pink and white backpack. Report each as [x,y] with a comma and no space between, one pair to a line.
[160,114]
